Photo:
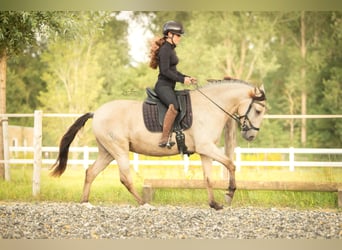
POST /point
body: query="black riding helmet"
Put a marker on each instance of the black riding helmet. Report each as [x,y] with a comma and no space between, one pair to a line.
[173,27]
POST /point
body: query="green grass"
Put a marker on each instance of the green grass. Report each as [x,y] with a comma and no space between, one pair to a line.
[107,188]
[288,199]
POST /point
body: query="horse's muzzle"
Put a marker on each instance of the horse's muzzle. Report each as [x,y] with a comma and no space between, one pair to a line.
[251,138]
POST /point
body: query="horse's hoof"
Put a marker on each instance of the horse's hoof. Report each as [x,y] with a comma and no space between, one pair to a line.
[87,205]
[229,199]
[215,205]
[148,207]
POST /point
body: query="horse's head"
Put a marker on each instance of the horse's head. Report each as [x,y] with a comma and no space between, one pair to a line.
[251,113]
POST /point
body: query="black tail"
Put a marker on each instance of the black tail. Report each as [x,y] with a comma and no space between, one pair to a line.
[59,167]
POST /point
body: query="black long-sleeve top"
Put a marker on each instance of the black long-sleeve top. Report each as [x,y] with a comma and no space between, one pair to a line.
[168,61]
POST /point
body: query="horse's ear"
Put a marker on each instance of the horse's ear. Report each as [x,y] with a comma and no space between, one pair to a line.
[259,90]
[259,93]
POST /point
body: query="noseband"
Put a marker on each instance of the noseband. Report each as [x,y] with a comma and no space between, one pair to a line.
[246,124]
[243,124]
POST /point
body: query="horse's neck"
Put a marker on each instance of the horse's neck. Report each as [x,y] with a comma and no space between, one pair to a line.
[228,96]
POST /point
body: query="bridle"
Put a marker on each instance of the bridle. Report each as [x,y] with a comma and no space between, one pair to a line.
[245,124]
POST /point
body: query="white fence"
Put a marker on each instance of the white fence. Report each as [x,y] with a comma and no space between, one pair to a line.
[85,161]
[288,153]
[38,158]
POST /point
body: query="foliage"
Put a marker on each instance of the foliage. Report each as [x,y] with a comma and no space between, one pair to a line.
[237,44]
[23,36]
[291,53]
[24,78]
[80,70]
[18,30]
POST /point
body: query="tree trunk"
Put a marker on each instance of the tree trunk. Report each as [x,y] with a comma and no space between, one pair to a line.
[303,78]
[3,67]
[291,121]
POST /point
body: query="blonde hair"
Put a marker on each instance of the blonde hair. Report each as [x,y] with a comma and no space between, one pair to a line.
[156,43]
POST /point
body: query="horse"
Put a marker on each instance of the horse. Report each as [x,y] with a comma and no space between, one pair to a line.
[118,127]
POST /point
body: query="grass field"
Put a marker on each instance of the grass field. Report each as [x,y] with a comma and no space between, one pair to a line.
[107,188]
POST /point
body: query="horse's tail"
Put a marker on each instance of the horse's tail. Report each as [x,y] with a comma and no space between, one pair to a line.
[60,165]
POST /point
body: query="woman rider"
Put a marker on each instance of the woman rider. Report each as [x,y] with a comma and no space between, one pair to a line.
[163,55]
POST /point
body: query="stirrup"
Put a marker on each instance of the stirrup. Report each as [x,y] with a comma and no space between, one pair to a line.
[169,144]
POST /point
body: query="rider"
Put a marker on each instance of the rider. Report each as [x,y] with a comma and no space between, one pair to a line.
[163,55]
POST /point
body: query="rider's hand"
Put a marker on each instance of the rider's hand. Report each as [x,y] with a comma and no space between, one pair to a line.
[190,80]
[193,80]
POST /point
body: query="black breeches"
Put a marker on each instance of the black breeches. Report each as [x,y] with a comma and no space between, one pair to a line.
[167,95]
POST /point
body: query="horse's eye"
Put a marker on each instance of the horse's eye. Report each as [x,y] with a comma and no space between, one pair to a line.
[258,112]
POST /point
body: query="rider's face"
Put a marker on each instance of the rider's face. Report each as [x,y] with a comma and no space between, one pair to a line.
[175,37]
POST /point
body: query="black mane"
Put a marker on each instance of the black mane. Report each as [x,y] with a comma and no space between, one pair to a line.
[228,80]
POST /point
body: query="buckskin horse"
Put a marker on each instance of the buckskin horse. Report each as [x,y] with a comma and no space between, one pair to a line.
[119,128]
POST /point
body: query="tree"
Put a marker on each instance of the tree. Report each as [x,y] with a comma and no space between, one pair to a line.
[18,31]
[113,57]
[303,45]
[328,86]
[84,71]
[235,44]
[23,85]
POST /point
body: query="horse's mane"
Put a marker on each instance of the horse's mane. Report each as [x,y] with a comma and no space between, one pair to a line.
[227,80]
[230,80]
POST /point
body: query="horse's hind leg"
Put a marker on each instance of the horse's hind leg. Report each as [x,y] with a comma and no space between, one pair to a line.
[102,161]
[126,178]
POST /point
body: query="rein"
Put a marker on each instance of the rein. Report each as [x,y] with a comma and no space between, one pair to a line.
[233,116]
[237,118]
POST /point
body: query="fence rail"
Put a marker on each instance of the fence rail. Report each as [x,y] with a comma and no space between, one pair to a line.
[291,163]
[150,184]
[39,158]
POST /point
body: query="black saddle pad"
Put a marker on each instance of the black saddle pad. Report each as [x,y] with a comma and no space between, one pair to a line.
[154,111]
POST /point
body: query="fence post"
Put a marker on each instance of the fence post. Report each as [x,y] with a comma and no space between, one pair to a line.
[291,159]
[37,155]
[238,159]
[136,162]
[6,148]
[85,157]
[186,163]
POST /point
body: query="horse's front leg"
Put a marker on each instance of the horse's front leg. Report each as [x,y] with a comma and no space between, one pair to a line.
[207,165]
[232,184]
[214,153]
